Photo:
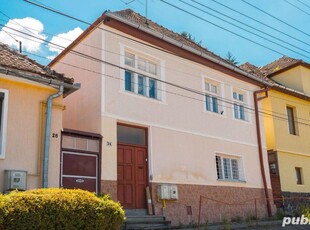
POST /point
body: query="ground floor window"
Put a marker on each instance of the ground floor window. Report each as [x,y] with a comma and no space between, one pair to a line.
[228,168]
[298,172]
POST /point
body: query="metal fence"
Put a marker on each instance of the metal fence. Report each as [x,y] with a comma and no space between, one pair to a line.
[252,210]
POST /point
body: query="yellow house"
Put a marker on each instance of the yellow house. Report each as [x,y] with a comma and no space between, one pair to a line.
[31,111]
[287,125]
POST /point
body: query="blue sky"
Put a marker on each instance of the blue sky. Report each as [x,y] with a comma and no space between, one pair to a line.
[199,22]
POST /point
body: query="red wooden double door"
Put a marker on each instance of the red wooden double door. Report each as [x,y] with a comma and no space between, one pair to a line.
[132,174]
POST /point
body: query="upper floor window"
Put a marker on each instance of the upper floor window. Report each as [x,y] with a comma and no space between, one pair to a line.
[3,120]
[228,168]
[239,105]
[291,114]
[213,104]
[141,76]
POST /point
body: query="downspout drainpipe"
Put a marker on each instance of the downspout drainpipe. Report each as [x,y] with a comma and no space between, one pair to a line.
[259,140]
[47,134]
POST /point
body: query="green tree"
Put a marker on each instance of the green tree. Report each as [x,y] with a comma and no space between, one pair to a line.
[231,58]
[190,37]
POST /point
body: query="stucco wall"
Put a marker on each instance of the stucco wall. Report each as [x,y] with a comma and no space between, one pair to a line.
[291,78]
[284,141]
[25,127]
[287,164]
[83,110]
[180,129]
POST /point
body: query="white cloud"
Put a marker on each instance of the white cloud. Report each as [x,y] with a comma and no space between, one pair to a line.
[50,57]
[64,39]
[26,25]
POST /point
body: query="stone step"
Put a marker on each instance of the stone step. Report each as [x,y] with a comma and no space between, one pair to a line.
[136,226]
[135,212]
[138,219]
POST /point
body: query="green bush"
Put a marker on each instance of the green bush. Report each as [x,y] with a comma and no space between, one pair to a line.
[305,210]
[59,209]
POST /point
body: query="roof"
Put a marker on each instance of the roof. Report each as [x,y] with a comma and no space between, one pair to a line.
[257,71]
[282,64]
[132,19]
[143,21]
[13,60]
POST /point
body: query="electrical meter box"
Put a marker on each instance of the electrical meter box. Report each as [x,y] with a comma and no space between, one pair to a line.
[168,192]
[174,192]
[15,179]
[163,192]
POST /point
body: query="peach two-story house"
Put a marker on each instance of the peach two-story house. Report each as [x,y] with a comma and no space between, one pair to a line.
[173,117]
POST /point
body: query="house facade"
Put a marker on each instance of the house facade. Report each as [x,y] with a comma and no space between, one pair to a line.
[287,127]
[173,117]
[25,87]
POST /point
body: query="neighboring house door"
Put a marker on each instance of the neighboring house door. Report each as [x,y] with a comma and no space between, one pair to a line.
[132,167]
[80,163]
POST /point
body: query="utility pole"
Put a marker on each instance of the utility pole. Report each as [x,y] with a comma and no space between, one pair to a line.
[20,46]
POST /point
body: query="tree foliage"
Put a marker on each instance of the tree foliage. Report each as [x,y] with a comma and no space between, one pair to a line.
[231,58]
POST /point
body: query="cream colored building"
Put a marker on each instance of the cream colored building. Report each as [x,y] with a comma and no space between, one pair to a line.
[287,127]
[25,87]
[170,113]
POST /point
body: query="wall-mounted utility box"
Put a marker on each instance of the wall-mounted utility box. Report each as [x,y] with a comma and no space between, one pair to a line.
[168,192]
[174,194]
[15,179]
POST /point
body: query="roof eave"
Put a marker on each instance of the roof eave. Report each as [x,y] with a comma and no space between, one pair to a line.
[68,88]
[187,48]
[299,63]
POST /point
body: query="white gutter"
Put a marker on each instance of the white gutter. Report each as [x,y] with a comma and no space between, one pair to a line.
[48,133]
[186,47]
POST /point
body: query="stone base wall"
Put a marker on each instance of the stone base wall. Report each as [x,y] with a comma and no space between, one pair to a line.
[109,187]
[215,204]
[292,201]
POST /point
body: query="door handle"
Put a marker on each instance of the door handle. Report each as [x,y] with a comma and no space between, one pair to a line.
[79,181]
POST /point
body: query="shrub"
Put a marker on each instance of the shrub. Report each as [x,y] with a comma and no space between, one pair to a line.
[304,210]
[59,209]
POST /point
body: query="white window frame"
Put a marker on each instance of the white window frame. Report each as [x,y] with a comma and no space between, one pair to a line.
[220,166]
[238,103]
[218,95]
[146,74]
[3,121]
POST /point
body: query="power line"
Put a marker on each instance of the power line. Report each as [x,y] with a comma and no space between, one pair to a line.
[255,20]
[177,94]
[74,18]
[293,5]
[118,54]
[249,109]
[92,26]
[157,79]
[270,15]
[304,4]
[16,22]
[123,68]
[230,31]
[231,18]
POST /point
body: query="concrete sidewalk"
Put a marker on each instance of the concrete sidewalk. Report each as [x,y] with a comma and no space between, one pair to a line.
[271,225]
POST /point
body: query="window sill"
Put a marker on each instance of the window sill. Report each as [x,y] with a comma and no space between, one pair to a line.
[214,113]
[234,181]
[154,100]
[243,121]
